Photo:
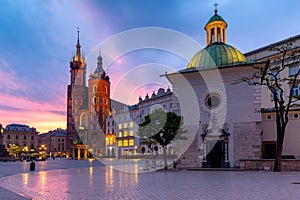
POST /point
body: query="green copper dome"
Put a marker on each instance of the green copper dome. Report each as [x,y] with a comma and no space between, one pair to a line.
[215,55]
[214,18]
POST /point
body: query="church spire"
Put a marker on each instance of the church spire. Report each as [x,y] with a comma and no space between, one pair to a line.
[78,46]
[99,68]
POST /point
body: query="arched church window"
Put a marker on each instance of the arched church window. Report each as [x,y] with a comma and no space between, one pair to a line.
[83,120]
[212,37]
[94,88]
[219,34]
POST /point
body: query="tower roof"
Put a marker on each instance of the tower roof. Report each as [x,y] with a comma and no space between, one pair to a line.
[78,56]
[215,18]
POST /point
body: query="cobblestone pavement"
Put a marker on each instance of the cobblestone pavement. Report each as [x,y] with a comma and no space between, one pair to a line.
[13,168]
[101,182]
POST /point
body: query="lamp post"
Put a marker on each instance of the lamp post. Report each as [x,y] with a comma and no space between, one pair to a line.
[164,150]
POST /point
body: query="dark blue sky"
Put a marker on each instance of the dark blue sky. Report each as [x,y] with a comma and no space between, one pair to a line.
[38,39]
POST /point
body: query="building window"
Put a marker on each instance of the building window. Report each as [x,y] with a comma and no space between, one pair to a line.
[131,133]
[17,137]
[125,125]
[125,134]
[275,74]
[8,137]
[32,146]
[295,91]
[94,88]
[107,124]
[269,150]
[277,95]
[131,142]
[112,123]
[24,137]
[171,105]
[125,143]
[293,69]
[120,134]
[120,126]
[32,137]
[131,124]
[213,101]
[120,143]
[62,140]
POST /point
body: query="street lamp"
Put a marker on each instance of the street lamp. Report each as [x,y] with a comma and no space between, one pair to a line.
[164,150]
[42,150]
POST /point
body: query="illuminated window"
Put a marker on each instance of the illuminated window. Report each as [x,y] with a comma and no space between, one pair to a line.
[120,143]
[125,143]
[131,142]
[120,134]
[120,126]
[131,133]
[131,124]
[125,125]
[125,134]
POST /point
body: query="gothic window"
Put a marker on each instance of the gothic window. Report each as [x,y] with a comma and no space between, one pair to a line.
[83,120]
[94,88]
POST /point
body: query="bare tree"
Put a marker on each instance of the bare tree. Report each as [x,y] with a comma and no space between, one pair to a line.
[268,75]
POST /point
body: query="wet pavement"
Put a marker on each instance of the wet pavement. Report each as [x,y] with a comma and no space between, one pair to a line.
[92,180]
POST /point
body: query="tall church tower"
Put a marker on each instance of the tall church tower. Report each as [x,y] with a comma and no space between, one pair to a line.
[77,94]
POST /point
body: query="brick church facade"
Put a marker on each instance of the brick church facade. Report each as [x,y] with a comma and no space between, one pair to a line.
[87,108]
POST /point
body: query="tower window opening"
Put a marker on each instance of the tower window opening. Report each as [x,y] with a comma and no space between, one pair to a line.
[212,37]
[219,34]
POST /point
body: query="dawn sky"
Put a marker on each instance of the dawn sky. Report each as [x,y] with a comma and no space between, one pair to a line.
[38,39]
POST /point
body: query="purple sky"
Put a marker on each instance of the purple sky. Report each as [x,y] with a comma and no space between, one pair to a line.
[38,39]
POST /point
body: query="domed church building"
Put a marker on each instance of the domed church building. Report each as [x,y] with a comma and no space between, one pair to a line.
[227,125]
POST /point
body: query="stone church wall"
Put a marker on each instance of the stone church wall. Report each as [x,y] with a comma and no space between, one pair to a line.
[247,141]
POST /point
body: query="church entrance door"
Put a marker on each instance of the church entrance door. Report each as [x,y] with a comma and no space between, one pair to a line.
[216,156]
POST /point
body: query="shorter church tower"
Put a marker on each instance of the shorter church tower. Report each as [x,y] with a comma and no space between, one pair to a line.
[99,106]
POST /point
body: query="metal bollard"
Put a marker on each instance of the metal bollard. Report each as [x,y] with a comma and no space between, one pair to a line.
[32,166]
